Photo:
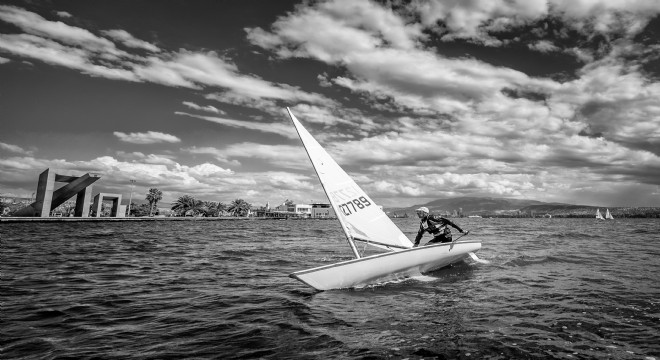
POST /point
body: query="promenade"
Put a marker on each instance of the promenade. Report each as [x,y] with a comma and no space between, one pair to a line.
[113,219]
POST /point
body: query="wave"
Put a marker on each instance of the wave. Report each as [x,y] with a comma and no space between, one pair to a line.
[527,260]
[201,290]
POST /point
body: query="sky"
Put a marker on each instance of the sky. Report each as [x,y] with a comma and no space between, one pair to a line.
[549,100]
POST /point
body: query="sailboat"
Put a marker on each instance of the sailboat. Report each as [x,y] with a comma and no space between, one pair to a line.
[363,221]
[608,215]
[598,215]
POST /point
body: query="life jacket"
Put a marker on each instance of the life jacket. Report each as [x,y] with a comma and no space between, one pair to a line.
[434,229]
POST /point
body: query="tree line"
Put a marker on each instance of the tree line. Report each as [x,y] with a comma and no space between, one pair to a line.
[187,205]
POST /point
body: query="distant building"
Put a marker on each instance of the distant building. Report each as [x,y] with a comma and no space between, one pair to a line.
[322,210]
[301,210]
[16,200]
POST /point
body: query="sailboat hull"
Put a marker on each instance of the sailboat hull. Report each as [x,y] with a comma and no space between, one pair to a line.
[385,267]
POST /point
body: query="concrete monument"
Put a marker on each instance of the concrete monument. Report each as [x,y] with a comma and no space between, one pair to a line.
[117,210]
[48,198]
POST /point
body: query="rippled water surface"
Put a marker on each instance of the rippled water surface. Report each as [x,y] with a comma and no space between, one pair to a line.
[550,288]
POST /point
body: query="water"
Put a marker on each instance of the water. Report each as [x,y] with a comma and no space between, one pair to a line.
[552,288]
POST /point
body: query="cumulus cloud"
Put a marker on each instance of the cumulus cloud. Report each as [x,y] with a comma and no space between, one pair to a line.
[218,154]
[544,46]
[485,115]
[14,149]
[64,14]
[54,53]
[127,39]
[35,24]
[194,70]
[428,124]
[58,43]
[410,76]
[466,20]
[137,156]
[475,20]
[208,108]
[283,156]
[614,103]
[149,137]
[205,181]
[275,128]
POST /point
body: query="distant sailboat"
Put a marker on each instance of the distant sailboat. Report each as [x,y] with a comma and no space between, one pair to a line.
[363,221]
[608,215]
[598,215]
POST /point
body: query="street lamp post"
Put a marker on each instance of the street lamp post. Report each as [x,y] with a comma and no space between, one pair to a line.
[130,199]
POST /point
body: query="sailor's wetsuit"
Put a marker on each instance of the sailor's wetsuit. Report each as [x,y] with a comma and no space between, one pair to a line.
[436,226]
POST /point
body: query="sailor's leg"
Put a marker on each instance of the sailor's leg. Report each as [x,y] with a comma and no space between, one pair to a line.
[438,239]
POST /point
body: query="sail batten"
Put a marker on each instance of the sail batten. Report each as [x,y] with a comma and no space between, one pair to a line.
[359,215]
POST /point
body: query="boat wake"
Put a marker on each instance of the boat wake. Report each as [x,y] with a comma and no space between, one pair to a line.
[476,258]
[424,278]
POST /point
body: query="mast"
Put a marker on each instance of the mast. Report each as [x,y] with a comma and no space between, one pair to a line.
[335,206]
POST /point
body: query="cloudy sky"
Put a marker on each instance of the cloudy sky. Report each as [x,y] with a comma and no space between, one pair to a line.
[552,100]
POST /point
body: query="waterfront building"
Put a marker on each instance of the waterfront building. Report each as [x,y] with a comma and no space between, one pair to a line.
[316,210]
[322,210]
[300,210]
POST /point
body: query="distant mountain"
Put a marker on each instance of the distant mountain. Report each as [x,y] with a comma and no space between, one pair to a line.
[488,206]
[470,205]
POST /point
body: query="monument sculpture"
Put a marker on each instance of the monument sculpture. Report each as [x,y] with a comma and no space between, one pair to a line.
[48,198]
[117,209]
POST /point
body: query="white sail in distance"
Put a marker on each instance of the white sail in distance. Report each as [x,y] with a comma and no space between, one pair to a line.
[608,215]
[361,218]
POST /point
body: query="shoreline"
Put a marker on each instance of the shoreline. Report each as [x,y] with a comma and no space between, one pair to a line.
[111,219]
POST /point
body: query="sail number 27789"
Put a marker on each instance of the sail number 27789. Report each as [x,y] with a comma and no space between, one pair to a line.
[354,205]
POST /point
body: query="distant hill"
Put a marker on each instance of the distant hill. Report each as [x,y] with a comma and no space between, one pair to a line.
[469,205]
[488,206]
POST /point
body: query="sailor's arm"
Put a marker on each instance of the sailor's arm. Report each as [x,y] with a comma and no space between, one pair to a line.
[420,233]
[441,221]
[450,223]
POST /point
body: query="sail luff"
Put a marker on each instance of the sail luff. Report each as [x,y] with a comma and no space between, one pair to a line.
[300,128]
[357,212]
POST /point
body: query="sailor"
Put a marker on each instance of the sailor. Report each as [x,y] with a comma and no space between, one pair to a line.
[434,225]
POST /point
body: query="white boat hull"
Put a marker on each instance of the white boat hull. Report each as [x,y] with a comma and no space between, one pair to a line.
[385,267]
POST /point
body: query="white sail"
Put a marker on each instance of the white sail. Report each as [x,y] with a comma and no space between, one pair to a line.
[361,219]
[598,215]
[359,215]
[608,215]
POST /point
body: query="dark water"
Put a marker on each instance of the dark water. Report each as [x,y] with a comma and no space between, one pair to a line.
[553,288]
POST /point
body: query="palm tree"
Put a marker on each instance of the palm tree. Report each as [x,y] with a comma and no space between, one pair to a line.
[183,204]
[153,197]
[239,207]
[210,208]
[196,208]
[221,208]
